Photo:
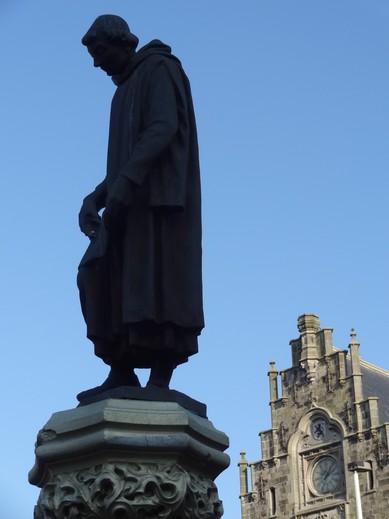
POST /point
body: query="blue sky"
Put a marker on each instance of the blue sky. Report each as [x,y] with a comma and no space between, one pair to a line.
[292,108]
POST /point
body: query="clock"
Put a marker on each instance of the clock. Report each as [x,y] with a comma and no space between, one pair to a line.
[327,475]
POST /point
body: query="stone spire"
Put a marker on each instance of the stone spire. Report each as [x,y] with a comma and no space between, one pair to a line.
[273,383]
[308,323]
[356,366]
[308,326]
[354,352]
[243,466]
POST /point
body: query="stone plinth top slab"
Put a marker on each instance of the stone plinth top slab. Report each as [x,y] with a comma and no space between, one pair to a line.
[128,430]
[151,394]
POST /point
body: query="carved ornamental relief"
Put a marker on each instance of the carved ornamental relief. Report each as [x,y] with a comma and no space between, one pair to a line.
[283,437]
[334,513]
[380,449]
[129,491]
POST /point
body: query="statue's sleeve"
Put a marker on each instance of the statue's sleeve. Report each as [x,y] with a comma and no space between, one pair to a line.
[100,194]
[160,116]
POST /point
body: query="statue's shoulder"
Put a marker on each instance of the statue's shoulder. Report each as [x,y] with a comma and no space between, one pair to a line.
[156,60]
[157,53]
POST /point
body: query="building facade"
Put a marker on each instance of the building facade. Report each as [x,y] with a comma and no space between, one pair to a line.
[326,454]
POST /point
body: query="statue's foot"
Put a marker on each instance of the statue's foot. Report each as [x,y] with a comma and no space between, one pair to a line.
[117,377]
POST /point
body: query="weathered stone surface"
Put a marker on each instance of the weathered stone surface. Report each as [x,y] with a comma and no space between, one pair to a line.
[128,459]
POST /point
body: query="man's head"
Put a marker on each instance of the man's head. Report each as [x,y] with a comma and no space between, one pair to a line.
[110,43]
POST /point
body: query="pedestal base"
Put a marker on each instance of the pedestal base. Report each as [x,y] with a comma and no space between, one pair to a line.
[124,459]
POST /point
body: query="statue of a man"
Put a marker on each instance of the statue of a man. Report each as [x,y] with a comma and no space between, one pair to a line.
[140,278]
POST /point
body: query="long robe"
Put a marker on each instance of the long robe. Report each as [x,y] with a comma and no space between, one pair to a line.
[141,284]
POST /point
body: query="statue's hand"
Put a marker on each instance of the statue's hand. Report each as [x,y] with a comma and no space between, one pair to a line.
[88,218]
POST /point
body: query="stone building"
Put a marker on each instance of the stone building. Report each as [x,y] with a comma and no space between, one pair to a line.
[326,454]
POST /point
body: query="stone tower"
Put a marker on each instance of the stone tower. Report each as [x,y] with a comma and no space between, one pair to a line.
[326,453]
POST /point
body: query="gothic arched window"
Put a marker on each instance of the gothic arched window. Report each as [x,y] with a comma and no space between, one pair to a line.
[318,460]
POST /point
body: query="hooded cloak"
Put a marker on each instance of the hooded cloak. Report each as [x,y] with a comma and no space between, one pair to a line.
[141,283]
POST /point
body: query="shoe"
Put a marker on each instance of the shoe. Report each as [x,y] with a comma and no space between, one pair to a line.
[117,377]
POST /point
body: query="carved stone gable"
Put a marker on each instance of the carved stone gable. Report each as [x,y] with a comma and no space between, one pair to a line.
[329,424]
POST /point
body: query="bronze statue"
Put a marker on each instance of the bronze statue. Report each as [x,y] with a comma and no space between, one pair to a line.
[140,278]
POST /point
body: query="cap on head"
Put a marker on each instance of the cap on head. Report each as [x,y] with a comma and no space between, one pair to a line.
[112,27]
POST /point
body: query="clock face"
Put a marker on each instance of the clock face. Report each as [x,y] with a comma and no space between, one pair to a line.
[327,475]
[319,429]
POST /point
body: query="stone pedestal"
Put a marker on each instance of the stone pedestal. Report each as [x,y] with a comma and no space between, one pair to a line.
[124,459]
